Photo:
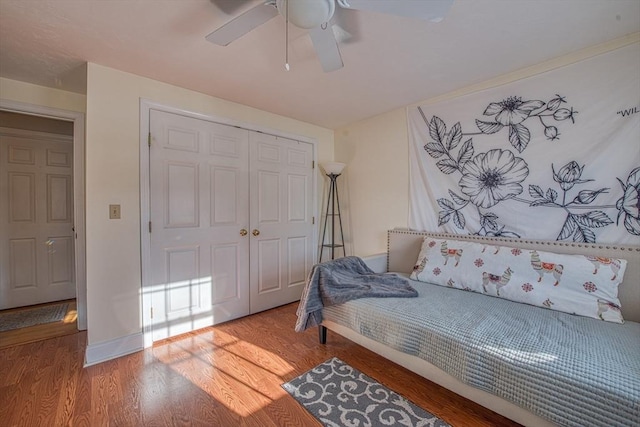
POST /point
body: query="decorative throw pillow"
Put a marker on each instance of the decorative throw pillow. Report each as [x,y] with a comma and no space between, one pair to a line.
[576,284]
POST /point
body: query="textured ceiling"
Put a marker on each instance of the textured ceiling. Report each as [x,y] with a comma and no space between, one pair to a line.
[389,61]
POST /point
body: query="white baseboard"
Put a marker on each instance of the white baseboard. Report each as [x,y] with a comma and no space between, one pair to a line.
[107,350]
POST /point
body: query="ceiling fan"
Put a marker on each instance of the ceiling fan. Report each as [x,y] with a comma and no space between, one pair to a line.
[316,15]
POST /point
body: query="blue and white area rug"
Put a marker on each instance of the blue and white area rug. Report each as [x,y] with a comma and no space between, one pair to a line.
[339,395]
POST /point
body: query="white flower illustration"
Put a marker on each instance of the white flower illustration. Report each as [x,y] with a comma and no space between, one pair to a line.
[493,176]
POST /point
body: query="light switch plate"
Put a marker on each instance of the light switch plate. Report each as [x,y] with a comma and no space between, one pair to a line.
[114,211]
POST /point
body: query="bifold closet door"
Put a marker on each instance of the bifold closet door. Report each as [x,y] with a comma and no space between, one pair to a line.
[199,191]
[281,217]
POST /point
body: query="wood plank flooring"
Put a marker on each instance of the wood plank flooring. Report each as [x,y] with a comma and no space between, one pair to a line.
[68,325]
[227,375]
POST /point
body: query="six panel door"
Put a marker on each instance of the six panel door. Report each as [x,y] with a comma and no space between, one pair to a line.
[199,209]
[281,212]
[36,220]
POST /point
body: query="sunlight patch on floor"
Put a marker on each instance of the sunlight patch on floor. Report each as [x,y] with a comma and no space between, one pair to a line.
[70,317]
[216,358]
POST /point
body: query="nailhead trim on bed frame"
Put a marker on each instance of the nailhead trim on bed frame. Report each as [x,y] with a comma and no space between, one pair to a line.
[506,240]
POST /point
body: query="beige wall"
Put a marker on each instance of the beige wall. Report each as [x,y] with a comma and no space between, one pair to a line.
[14,90]
[376,153]
[374,186]
[113,175]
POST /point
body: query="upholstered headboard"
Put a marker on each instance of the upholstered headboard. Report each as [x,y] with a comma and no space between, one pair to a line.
[403,247]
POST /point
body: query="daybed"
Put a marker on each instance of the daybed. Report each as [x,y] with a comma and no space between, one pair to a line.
[531,364]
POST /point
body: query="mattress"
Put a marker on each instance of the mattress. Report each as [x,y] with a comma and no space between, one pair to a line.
[571,370]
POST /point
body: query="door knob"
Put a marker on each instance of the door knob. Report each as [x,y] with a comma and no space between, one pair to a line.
[243,232]
[255,232]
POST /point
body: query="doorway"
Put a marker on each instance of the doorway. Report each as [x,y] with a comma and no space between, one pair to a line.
[36,216]
[42,241]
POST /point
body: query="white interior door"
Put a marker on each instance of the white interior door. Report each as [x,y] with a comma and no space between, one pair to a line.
[199,250]
[281,212]
[36,219]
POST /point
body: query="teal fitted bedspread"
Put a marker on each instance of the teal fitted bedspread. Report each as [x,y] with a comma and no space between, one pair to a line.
[571,370]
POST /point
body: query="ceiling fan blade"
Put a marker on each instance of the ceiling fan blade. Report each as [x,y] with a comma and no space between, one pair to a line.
[432,10]
[242,24]
[324,41]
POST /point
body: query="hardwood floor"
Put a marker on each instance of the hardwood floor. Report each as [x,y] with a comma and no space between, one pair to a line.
[66,326]
[227,375]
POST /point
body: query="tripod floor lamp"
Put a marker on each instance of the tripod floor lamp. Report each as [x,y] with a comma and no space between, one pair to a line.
[333,171]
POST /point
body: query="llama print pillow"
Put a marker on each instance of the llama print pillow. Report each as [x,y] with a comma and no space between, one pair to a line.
[576,284]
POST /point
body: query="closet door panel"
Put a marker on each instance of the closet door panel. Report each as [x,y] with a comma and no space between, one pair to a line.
[269,275]
[269,200]
[281,219]
[199,191]
[298,254]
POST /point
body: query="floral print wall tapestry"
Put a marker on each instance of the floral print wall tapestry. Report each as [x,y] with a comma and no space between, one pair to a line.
[555,156]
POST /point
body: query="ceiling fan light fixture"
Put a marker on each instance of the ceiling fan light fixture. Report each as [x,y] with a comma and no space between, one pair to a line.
[315,16]
[307,14]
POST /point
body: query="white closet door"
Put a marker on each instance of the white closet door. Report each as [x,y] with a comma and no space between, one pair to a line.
[281,212]
[36,221]
[199,209]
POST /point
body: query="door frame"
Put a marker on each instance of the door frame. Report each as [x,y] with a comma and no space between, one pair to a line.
[146,106]
[78,120]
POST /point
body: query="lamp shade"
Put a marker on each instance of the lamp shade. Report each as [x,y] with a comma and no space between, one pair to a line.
[333,168]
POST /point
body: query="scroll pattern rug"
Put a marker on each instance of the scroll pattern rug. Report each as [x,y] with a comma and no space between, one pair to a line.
[33,316]
[340,395]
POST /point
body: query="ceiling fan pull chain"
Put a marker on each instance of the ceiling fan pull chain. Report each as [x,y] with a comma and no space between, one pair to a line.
[286,36]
